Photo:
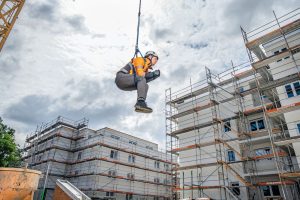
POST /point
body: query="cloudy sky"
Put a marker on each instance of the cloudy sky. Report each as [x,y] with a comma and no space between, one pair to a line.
[62,56]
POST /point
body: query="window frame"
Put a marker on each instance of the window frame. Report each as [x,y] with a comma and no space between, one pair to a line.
[297,89]
[112,173]
[271,190]
[115,137]
[156,164]
[110,194]
[156,180]
[230,157]
[280,51]
[132,142]
[227,126]
[236,190]
[79,155]
[293,91]
[166,166]
[114,154]
[256,122]
[131,158]
[130,176]
[298,127]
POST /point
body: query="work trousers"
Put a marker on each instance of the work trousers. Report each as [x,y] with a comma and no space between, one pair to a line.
[126,82]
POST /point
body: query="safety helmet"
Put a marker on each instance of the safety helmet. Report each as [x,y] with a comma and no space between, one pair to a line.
[151,53]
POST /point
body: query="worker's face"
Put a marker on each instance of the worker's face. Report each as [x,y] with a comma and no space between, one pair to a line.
[154,60]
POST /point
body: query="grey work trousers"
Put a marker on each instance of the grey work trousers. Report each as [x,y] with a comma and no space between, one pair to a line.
[126,82]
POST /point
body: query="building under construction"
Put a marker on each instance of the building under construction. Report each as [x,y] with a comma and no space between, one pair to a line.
[104,164]
[236,133]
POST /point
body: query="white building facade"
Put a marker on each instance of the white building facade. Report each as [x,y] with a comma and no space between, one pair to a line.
[237,132]
[104,164]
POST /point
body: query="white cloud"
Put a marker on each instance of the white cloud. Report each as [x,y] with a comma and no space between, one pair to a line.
[61,56]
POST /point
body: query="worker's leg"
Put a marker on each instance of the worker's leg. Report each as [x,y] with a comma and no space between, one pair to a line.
[142,88]
[125,82]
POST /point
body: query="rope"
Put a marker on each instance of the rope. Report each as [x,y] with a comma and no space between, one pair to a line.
[137,51]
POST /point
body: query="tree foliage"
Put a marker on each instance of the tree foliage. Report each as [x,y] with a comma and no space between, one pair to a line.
[10,153]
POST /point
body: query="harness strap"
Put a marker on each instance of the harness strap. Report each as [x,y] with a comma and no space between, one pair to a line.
[134,73]
[124,71]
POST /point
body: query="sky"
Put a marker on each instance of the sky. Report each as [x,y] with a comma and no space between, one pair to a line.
[62,56]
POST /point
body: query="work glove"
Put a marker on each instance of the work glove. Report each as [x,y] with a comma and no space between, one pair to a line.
[150,76]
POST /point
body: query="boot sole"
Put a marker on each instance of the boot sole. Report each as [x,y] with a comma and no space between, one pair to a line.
[142,110]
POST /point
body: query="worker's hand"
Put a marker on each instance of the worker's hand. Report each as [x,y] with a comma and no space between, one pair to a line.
[150,76]
[156,73]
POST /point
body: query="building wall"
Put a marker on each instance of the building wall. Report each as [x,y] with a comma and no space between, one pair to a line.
[283,68]
[260,170]
[87,162]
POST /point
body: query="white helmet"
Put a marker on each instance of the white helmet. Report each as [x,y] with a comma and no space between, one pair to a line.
[151,53]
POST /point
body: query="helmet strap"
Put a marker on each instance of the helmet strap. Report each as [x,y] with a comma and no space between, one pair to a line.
[150,64]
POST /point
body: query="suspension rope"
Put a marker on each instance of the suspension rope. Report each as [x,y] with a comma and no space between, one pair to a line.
[137,51]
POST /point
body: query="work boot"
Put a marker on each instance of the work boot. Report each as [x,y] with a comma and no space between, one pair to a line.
[141,106]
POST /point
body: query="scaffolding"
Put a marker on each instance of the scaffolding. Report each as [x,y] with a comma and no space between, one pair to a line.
[219,126]
[64,149]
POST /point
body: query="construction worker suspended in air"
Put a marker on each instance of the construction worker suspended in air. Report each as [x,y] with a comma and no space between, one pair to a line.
[135,76]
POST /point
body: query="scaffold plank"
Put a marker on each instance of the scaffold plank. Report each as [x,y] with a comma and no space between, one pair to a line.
[189,147]
[275,183]
[192,110]
[257,109]
[59,122]
[284,109]
[279,82]
[273,34]
[93,145]
[198,187]
[272,84]
[189,95]
[261,63]
[260,133]
[196,127]
[105,159]
[53,136]
[197,166]
[113,176]
[244,74]
[198,92]
[123,192]
[279,154]
[226,81]
[290,175]
[288,141]
[200,145]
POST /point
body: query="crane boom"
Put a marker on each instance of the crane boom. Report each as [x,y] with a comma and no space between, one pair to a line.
[9,11]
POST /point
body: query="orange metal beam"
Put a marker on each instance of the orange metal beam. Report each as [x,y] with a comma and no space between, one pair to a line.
[290,175]
[276,183]
[122,192]
[198,187]
[281,109]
